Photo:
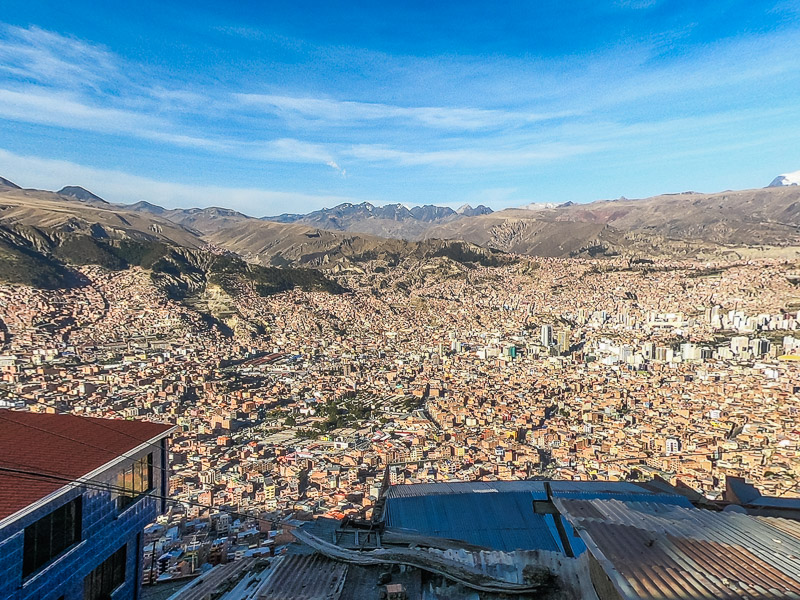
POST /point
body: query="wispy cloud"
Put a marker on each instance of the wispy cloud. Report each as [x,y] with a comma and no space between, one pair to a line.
[453,116]
[291,150]
[636,4]
[52,59]
[345,112]
[62,110]
[33,105]
[249,33]
[46,74]
[471,157]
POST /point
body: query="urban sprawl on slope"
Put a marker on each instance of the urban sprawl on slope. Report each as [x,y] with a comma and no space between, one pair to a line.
[295,404]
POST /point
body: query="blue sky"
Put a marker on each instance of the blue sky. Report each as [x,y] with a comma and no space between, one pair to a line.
[292,106]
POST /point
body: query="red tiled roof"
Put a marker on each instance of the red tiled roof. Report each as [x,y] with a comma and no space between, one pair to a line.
[62,445]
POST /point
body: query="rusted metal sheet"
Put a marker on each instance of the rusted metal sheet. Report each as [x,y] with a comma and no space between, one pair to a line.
[674,552]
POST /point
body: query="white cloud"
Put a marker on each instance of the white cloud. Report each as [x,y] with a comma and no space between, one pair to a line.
[64,111]
[337,112]
[570,107]
[248,33]
[53,59]
[120,187]
[290,150]
[470,157]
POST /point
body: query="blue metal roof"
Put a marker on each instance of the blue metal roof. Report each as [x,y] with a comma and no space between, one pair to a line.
[776,502]
[502,520]
[575,542]
[535,488]
[500,514]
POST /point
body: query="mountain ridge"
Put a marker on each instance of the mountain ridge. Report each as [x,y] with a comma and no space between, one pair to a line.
[9,184]
[675,225]
[80,193]
[387,220]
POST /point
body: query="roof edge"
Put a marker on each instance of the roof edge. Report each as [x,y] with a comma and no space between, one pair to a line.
[6,521]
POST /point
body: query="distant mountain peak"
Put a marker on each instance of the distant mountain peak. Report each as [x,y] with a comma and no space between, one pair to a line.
[145,206]
[9,184]
[786,179]
[214,211]
[79,193]
[467,211]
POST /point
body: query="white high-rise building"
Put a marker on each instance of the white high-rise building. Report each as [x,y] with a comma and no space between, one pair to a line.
[672,446]
[547,335]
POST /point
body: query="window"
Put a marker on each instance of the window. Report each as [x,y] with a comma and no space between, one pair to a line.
[134,481]
[51,535]
[101,583]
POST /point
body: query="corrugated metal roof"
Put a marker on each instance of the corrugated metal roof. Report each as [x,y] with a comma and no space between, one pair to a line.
[651,497]
[305,577]
[215,581]
[787,525]
[499,514]
[575,542]
[502,520]
[776,502]
[536,488]
[657,550]
[597,487]
[591,489]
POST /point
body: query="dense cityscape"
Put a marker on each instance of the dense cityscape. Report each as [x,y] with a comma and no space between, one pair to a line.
[400,301]
[297,405]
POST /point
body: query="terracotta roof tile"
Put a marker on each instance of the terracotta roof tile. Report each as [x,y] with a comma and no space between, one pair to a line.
[63,445]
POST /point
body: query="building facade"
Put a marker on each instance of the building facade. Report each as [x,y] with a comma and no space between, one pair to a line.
[75,496]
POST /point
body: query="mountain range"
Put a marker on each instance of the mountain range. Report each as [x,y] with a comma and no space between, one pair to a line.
[43,234]
[389,220]
[763,221]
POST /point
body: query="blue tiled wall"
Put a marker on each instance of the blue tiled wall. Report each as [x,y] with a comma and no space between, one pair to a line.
[105,530]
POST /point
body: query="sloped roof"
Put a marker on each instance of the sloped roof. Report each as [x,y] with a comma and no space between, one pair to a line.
[657,550]
[493,514]
[500,514]
[63,446]
[537,488]
[305,577]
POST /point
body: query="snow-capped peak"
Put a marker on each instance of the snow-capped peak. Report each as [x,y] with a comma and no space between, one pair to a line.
[786,179]
[464,208]
[539,205]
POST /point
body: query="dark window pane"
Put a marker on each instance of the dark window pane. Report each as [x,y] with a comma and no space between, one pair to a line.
[107,577]
[61,535]
[29,550]
[50,536]
[43,529]
[77,529]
